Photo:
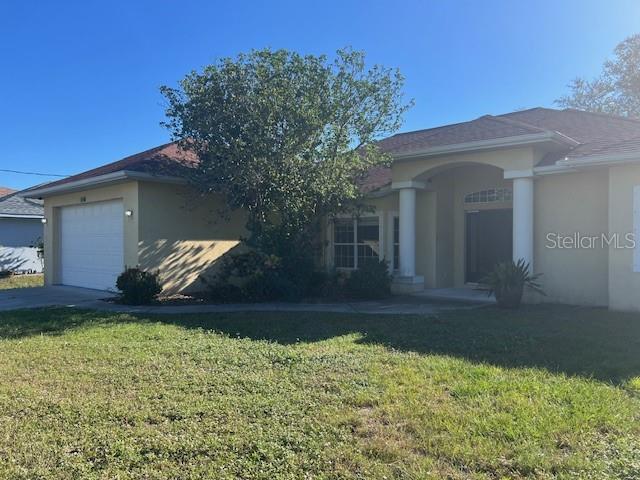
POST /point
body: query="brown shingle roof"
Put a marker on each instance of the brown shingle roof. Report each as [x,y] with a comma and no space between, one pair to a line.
[596,134]
[4,191]
[375,179]
[165,160]
[487,127]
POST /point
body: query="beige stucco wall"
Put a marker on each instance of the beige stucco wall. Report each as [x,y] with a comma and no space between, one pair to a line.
[624,283]
[506,159]
[566,204]
[127,192]
[182,235]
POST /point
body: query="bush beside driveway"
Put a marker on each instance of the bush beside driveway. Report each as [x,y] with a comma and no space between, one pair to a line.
[541,393]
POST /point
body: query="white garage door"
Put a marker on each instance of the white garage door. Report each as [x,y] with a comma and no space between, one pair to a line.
[91,244]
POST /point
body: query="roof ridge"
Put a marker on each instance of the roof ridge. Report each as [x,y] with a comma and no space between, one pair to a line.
[477,118]
[602,114]
[516,112]
[439,127]
[518,123]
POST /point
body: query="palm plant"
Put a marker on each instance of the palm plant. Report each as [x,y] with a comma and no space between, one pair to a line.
[507,281]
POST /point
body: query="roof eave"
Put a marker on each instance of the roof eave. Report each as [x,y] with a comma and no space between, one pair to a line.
[98,181]
[600,160]
[379,192]
[504,142]
[21,215]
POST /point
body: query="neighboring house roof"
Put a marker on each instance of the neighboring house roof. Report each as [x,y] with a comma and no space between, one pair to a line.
[15,206]
[4,191]
[575,135]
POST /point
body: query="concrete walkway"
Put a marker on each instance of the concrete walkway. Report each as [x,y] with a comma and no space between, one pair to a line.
[94,299]
[58,296]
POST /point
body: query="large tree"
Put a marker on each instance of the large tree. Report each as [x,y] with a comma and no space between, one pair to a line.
[283,136]
[616,90]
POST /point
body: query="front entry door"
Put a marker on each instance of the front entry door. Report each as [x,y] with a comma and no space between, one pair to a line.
[488,241]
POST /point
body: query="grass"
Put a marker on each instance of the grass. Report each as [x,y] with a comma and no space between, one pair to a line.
[21,281]
[549,392]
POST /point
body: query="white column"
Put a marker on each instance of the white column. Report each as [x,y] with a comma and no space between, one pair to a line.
[407,232]
[523,220]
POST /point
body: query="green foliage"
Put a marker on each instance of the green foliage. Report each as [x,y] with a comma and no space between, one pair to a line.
[328,285]
[507,281]
[221,292]
[285,137]
[616,90]
[371,280]
[138,287]
[539,393]
[257,277]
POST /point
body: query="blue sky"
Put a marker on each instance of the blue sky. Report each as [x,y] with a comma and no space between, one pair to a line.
[79,80]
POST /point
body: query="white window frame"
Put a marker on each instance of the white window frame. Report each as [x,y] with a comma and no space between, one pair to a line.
[497,192]
[381,239]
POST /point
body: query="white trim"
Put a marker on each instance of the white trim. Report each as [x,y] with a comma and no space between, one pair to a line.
[417,184]
[113,177]
[552,169]
[597,160]
[511,174]
[381,238]
[489,144]
[8,215]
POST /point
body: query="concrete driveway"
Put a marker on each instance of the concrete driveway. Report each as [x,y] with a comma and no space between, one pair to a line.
[56,296]
[49,297]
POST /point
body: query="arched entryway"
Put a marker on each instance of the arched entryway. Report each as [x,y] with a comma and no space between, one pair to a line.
[458,220]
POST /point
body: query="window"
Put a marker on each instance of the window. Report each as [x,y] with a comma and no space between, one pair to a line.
[343,243]
[396,243]
[489,196]
[356,241]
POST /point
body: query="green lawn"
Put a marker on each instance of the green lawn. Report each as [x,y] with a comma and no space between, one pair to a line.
[21,281]
[545,393]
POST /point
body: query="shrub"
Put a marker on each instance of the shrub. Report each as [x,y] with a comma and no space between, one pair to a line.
[508,279]
[372,280]
[253,277]
[327,284]
[272,285]
[138,287]
[224,293]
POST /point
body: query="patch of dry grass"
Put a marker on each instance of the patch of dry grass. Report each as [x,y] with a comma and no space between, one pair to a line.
[21,281]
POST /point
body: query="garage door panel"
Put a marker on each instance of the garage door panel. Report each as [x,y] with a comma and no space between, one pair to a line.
[91,244]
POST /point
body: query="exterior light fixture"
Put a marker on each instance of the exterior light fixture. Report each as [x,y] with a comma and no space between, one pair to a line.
[43,220]
[128,213]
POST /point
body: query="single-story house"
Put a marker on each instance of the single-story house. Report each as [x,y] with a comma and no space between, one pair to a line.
[21,233]
[557,188]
